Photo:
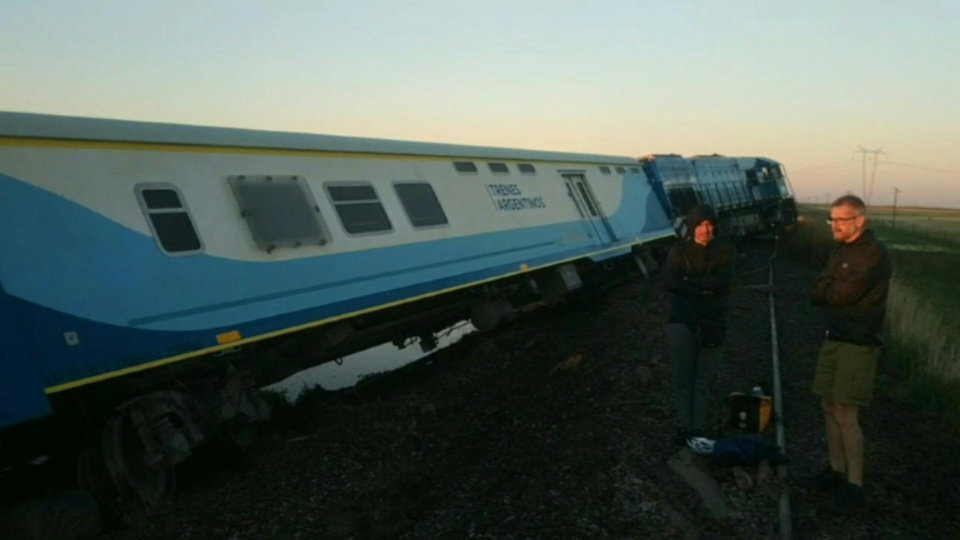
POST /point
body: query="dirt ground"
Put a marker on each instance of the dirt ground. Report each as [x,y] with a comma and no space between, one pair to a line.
[560,426]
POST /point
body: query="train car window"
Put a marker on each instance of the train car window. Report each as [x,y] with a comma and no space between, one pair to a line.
[498,168]
[604,169]
[421,204]
[635,169]
[465,166]
[169,219]
[526,168]
[280,211]
[359,208]
[621,170]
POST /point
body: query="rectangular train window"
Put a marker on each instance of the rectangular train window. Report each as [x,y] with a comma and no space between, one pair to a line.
[169,219]
[526,168]
[359,207]
[420,203]
[621,170]
[465,166]
[604,169]
[498,168]
[279,210]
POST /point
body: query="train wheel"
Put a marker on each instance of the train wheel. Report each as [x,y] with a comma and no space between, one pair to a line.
[92,476]
[144,482]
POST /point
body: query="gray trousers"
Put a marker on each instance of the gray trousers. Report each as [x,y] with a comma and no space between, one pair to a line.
[694,370]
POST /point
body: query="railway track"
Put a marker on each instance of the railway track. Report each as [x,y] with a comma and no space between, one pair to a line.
[491,438]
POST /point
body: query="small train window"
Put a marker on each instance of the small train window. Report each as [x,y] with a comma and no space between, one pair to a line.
[465,166]
[498,168]
[604,169]
[279,210]
[526,168]
[421,204]
[169,219]
[635,170]
[359,207]
[621,170]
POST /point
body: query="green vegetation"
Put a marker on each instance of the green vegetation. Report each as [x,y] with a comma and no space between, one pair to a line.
[922,334]
[932,224]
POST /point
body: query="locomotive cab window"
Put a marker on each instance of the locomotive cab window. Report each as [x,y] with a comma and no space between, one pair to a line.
[169,219]
[526,168]
[358,207]
[421,204]
[279,210]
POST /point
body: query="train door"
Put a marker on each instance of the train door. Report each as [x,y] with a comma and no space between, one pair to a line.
[586,203]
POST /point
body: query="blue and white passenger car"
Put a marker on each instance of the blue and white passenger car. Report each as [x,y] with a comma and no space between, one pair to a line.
[136,255]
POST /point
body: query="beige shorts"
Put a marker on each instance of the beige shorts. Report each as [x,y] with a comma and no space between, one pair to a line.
[845,373]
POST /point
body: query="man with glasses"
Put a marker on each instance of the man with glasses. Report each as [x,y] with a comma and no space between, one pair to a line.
[852,291]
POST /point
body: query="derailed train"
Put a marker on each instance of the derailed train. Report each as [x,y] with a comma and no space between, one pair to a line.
[154,276]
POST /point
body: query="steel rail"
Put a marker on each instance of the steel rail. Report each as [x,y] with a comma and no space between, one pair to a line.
[786,523]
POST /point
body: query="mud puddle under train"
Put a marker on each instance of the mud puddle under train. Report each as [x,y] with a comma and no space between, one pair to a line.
[349,370]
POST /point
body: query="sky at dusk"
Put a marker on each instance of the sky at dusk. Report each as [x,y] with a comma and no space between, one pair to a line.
[808,84]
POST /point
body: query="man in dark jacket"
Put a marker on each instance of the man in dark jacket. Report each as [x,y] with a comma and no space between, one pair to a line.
[852,292]
[697,278]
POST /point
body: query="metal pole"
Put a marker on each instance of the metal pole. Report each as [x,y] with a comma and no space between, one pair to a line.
[863,182]
[896,192]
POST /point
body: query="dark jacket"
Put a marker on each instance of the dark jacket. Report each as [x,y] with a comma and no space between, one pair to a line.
[697,279]
[853,290]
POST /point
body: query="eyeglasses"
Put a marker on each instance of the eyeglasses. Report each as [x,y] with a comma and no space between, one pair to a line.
[842,219]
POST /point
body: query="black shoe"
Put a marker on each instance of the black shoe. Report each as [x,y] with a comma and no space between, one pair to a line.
[827,480]
[847,499]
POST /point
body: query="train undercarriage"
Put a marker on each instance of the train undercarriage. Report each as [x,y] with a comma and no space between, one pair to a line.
[128,435]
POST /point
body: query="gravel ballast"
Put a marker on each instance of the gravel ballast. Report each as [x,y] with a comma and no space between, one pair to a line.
[559,425]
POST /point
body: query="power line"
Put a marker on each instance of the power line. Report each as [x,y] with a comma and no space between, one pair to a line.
[821,166]
[924,167]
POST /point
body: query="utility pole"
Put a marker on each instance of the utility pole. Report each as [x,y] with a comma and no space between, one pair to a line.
[896,191]
[868,194]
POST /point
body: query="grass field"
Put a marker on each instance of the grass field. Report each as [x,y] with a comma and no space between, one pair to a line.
[916,224]
[922,333]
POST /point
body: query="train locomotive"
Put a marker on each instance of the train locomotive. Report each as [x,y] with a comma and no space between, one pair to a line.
[154,276]
[750,194]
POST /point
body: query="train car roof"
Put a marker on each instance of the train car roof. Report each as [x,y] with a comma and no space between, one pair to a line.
[46,126]
[701,157]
